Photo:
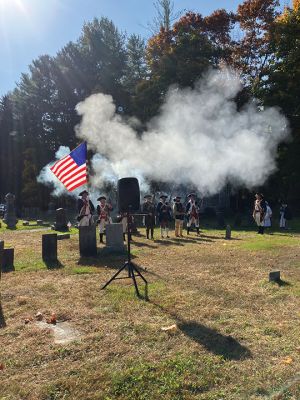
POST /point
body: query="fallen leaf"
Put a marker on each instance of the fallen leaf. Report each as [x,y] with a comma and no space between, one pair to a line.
[1,367]
[170,329]
[287,360]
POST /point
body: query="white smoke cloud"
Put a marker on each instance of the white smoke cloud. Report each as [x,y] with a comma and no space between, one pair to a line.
[198,139]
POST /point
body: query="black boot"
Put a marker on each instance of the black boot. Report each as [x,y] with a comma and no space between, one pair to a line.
[147,233]
[152,233]
[262,230]
[101,237]
[198,233]
[188,231]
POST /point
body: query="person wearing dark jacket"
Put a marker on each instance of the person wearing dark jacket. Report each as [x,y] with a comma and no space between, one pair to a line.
[179,213]
[192,211]
[149,210]
[163,211]
[85,209]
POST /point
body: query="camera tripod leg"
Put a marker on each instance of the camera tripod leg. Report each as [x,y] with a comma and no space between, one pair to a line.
[116,274]
[131,267]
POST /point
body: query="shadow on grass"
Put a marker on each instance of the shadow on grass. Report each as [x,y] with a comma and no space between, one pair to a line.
[280,282]
[214,341]
[53,264]
[2,319]
[225,346]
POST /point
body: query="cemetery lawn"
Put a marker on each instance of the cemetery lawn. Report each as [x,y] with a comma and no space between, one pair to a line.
[230,333]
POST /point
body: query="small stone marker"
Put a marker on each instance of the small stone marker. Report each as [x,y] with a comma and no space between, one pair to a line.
[8,260]
[114,237]
[63,236]
[49,247]
[25,223]
[87,241]
[39,222]
[274,276]
[228,232]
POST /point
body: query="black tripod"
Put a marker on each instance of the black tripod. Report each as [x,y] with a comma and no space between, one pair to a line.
[133,271]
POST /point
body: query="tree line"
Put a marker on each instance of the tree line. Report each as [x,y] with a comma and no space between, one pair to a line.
[259,40]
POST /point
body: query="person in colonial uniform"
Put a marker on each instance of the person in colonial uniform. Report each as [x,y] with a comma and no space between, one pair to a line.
[192,212]
[179,213]
[103,211]
[259,212]
[163,211]
[85,209]
[149,209]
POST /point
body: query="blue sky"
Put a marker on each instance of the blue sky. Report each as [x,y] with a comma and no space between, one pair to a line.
[29,28]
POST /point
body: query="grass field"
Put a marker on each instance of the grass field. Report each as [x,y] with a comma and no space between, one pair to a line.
[234,334]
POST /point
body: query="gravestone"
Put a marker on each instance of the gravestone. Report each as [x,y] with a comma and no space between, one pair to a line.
[49,247]
[25,223]
[228,232]
[10,213]
[274,276]
[60,220]
[87,241]
[8,260]
[114,237]
[1,255]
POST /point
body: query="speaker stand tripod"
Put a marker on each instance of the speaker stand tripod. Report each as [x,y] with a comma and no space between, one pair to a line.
[132,269]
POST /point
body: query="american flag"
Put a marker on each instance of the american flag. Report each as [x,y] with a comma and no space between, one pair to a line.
[71,170]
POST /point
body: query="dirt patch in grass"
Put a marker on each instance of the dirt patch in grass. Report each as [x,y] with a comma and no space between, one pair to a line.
[237,335]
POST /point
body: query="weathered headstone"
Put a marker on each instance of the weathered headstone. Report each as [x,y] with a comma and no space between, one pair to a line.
[49,247]
[274,276]
[39,222]
[10,213]
[228,232]
[114,237]
[8,260]
[25,223]
[87,241]
[61,220]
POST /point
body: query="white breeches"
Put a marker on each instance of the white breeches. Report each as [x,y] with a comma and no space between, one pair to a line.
[191,221]
[257,219]
[282,222]
[85,221]
[124,223]
[103,223]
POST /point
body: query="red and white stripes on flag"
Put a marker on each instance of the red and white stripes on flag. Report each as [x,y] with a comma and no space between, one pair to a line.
[72,169]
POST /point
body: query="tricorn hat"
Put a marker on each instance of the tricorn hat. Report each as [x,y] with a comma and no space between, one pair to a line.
[147,196]
[192,194]
[83,192]
[163,196]
[176,197]
[101,198]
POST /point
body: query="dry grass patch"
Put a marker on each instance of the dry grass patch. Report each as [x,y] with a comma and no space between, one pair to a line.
[236,336]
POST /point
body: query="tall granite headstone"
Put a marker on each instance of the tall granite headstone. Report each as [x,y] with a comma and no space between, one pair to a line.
[60,220]
[49,247]
[10,215]
[114,237]
[8,260]
[87,241]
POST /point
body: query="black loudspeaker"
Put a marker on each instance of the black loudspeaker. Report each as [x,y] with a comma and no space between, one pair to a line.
[128,194]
